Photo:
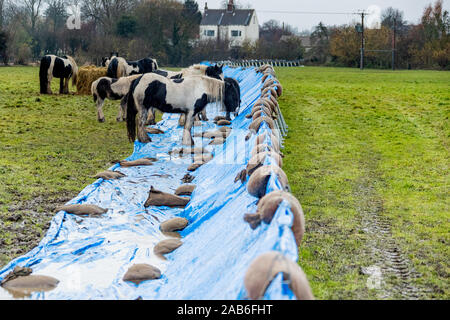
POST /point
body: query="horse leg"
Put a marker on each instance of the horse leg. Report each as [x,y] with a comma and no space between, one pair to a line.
[182,120]
[203,113]
[187,137]
[66,85]
[49,85]
[61,85]
[151,117]
[142,118]
[100,115]
[122,115]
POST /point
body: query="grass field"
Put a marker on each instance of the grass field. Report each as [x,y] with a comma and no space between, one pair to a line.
[367,155]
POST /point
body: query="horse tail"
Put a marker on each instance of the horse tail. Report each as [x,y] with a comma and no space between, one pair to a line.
[215,91]
[94,90]
[121,70]
[43,73]
[112,68]
[132,111]
[74,70]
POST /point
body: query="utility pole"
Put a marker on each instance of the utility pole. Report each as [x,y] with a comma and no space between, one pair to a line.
[393,43]
[362,40]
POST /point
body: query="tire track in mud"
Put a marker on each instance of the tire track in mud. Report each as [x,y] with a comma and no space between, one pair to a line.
[392,274]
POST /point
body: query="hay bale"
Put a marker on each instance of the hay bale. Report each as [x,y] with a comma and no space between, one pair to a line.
[87,75]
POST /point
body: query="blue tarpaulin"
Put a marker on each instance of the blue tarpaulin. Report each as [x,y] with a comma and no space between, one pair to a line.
[90,255]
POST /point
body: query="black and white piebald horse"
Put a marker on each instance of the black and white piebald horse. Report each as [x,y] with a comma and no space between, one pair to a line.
[113,89]
[59,67]
[187,95]
[119,67]
[215,72]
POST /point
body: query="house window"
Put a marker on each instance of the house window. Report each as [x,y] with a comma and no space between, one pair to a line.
[236,33]
[209,33]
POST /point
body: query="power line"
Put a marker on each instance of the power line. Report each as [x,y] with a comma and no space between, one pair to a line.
[309,12]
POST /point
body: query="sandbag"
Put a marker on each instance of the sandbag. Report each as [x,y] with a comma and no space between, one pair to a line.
[267,111]
[82,209]
[174,224]
[218,118]
[185,190]
[18,271]
[260,148]
[223,123]
[194,166]
[141,272]
[270,90]
[187,178]
[274,140]
[254,126]
[257,184]
[25,285]
[257,161]
[109,175]
[268,84]
[166,246]
[158,198]
[138,162]
[187,151]
[264,269]
[268,205]
[212,134]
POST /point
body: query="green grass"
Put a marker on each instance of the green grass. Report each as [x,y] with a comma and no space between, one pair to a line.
[52,142]
[365,142]
[51,146]
[360,145]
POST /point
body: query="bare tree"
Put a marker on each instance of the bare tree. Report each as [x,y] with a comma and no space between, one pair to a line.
[32,9]
[2,7]
[106,12]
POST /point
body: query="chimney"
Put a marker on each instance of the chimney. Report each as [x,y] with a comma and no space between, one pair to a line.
[230,6]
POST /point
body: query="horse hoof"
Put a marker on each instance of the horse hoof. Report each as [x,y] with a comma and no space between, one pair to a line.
[119,119]
[101,120]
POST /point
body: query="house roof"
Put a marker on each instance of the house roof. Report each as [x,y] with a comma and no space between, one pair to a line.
[220,17]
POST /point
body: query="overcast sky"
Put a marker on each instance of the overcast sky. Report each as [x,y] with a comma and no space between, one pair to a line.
[412,10]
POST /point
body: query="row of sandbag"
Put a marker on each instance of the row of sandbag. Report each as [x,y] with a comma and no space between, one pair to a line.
[266,149]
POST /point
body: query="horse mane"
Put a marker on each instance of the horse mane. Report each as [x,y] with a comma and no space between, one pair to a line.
[201,67]
[74,70]
[195,70]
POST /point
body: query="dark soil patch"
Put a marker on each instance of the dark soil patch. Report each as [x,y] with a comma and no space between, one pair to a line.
[25,224]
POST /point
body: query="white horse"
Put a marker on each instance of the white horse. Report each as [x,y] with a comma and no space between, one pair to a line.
[187,96]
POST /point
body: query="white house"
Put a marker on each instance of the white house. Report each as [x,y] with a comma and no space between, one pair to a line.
[234,25]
